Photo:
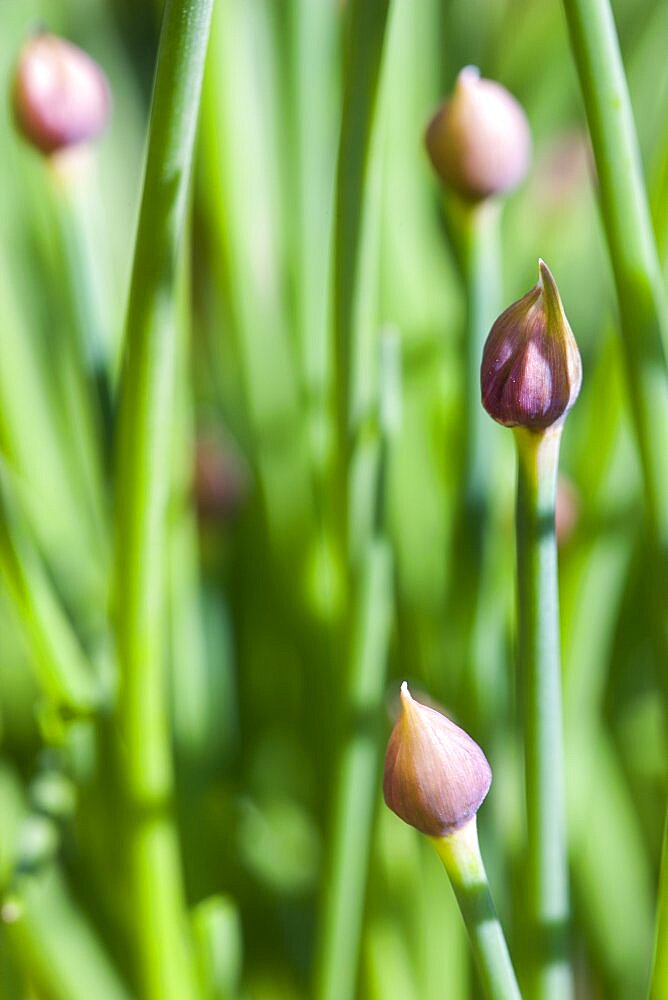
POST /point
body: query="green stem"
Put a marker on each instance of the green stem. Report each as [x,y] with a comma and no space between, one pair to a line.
[460,854]
[54,944]
[482,277]
[640,291]
[365,42]
[540,677]
[659,982]
[142,487]
[636,269]
[478,238]
[357,778]
[87,338]
[358,765]
[61,665]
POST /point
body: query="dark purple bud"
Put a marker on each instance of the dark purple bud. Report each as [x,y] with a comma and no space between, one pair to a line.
[61,97]
[531,370]
[436,776]
[479,140]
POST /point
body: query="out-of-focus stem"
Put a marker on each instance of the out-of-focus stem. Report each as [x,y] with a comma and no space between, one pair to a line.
[366,36]
[659,983]
[60,663]
[482,277]
[460,854]
[540,680]
[358,765]
[143,469]
[478,243]
[354,802]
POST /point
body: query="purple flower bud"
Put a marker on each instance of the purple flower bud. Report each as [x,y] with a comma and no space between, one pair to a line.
[479,140]
[61,97]
[531,370]
[436,776]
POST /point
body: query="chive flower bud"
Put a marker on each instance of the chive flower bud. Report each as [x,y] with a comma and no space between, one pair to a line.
[61,97]
[479,140]
[531,370]
[436,776]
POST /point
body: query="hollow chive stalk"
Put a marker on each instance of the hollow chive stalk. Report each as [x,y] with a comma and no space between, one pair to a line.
[481,262]
[460,854]
[367,30]
[659,980]
[639,284]
[633,255]
[540,677]
[163,965]
[358,765]
[478,226]
[63,672]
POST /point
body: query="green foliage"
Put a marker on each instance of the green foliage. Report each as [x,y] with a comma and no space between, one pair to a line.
[298,542]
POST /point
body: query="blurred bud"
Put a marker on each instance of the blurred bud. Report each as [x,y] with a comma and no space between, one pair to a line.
[479,140]
[531,369]
[436,776]
[221,480]
[567,510]
[61,97]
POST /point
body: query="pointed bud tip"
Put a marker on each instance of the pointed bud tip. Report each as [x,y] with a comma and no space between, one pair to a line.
[479,140]
[60,95]
[436,776]
[531,370]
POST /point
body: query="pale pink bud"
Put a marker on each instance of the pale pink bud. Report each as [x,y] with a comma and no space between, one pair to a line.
[436,776]
[61,96]
[479,140]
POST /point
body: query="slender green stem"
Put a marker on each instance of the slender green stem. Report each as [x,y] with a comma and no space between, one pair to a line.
[659,983]
[87,335]
[365,41]
[633,254]
[482,277]
[478,237]
[460,854]
[358,765]
[540,677]
[354,800]
[54,944]
[637,272]
[60,663]
[142,486]
[80,414]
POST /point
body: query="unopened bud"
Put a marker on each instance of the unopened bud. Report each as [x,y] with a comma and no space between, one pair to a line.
[61,96]
[479,140]
[531,369]
[220,481]
[436,776]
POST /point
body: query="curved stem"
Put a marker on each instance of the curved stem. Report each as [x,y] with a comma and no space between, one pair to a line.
[142,486]
[540,678]
[460,854]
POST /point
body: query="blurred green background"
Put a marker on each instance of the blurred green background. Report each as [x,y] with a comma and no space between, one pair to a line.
[255,584]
